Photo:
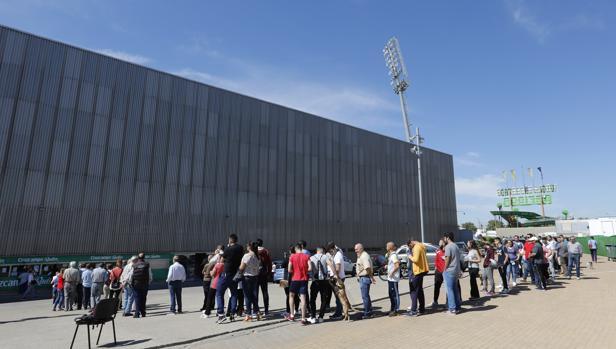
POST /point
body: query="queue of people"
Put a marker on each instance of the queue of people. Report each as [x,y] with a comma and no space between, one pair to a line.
[241,272]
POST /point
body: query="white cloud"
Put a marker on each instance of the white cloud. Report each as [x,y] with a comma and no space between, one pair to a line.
[483,186]
[523,17]
[332,99]
[129,57]
[469,159]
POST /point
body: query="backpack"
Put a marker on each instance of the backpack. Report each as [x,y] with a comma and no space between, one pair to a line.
[141,273]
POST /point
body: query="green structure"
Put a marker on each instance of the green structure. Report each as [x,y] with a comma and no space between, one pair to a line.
[524,218]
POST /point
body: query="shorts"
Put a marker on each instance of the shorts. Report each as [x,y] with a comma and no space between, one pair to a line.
[299,287]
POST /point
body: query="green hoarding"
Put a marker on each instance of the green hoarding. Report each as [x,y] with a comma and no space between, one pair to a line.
[527,200]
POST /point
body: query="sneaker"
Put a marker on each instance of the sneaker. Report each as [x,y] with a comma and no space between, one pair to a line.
[221,319]
[452,312]
[312,320]
[434,305]
[515,284]
[335,317]
[412,313]
[410,307]
[578,278]
[320,320]
[204,316]
[392,314]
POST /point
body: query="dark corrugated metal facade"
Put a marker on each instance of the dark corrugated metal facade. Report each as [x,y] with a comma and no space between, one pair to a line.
[103,156]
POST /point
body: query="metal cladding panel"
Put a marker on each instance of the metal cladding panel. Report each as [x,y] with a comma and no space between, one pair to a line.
[102,156]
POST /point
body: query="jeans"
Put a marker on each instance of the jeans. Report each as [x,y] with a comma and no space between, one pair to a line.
[473,273]
[502,271]
[438,281]
[394,295]
[593,254]
[129,297]
[541,271]
[140,293]
[250,286]
[417,292]
[319,287]
[529,269]
[574,260]
[225,282]
[364,286]
[551,268]
[175,294]
[512,272]
[263,285]
[59,299]
[454,300]
[488,277]
[338,311]
[87,293]
[97,292]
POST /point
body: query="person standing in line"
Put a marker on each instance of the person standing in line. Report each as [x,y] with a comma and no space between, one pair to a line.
[592,246]
[473,258]
[439,268]
[54,287]
[99,277]
[540,264]
[563,254]
[512,265]
[59,301]
[79,289]
[141,276]
[319,285]
[287,282]
[86,278]
[452,274]
[232,255]
[175,276]
[249,267]
[393,278]
[365,277]
[529,269]
[217,269]
[336,272]
[206,269]
[72,278]
[115,286]
[299,267]
[420,268]
[265,272]
[502,259]
[574,250]
[125,280]
[548,254]
[489,264]
[519,246]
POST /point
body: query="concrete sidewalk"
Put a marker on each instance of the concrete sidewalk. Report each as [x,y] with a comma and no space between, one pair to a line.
[572,313]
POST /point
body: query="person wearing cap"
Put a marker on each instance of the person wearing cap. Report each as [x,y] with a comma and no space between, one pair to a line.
[539,262]
[528,262]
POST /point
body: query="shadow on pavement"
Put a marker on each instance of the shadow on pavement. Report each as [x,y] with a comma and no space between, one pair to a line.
[478,308]
[74,314]
[125,343]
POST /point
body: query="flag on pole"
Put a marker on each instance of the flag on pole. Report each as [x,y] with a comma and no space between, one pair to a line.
[540,172]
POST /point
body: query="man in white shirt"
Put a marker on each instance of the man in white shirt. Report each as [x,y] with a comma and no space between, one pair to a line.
[336,271]
[175,277]
[393,278]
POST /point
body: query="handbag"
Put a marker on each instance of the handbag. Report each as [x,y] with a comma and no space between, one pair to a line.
[239,276]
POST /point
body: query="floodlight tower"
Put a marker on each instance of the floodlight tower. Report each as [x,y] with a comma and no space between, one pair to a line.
[398,73]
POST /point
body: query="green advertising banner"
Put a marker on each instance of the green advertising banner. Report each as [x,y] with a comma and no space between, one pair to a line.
[527,200]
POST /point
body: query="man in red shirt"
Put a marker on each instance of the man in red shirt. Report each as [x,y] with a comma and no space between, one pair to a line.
[439,267]
[299,266]
[528,263]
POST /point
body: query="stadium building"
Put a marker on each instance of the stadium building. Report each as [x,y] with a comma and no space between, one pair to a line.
[101,158]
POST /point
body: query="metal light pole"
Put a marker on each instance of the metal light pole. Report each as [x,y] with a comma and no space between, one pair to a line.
[398,73]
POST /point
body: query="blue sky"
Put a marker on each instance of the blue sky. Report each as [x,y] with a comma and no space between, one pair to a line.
[500,84]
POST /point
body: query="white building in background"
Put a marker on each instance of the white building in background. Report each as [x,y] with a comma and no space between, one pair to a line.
[587,227]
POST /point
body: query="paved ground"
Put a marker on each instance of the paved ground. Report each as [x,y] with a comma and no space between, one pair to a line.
[573,313]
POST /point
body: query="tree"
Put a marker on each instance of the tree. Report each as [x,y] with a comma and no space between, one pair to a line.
[493,224]
[566,213]
[469,226]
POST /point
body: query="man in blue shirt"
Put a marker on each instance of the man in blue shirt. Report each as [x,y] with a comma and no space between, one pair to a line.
[86,278]
[592,246]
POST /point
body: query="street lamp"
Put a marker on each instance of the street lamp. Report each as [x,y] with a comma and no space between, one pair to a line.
[398,73]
